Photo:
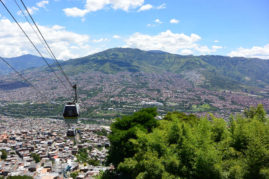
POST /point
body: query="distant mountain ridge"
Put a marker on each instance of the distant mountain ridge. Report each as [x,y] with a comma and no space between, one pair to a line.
[22,63]
[121,78]
[209,71]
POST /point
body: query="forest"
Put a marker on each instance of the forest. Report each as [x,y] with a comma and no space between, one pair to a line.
[186,146]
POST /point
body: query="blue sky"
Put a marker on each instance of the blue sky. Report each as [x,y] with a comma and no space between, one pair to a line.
[77,28]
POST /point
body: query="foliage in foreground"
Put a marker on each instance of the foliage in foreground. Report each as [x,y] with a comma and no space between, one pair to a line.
[126,128]
[19,177]
[185,146]
[4,154]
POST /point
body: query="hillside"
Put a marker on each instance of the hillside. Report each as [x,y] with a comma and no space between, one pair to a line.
[22,63]
[207,71]
[121,80]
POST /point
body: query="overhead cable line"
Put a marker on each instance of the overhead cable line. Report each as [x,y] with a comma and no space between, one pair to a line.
[38,36]
[57,62]
[19,74]
[32,43]
[27,81]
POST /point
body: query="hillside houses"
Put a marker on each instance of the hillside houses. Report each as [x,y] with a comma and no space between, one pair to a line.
[47,138]
[124,92]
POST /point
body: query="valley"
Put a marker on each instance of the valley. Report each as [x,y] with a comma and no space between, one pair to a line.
[121,81]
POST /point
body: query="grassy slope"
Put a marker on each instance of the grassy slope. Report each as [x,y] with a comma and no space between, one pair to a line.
[219,71]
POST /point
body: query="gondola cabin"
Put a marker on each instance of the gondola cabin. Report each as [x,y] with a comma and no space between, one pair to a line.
[71,132]
[71,111]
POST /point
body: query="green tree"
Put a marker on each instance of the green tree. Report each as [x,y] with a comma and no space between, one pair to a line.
[250,112]
[36,157]
[178,147]
[82,156]
[258,113]
[125,129]
[74,175]
[93,162]
[185,146]
[19,177]
[4,154]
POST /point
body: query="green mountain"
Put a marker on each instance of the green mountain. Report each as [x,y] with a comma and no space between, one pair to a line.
[22,63]
[207,71]
[125,80]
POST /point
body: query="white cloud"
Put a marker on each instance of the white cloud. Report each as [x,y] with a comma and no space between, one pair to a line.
[95,5]
[158,21]
[145,7]
[33,9]
[254,52]
[203,49]
[206,50]
[162,6]
[170,42]
[216,47]
[42,3]
[167,41]
[174,21]
[216,41]
[116,37]
[155,23]
[75,12]
[186,52]
[65,44]
[151,25]
[100,40]
[126,4]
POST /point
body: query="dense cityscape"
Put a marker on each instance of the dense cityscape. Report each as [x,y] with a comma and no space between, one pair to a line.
[109,95]
[134,89]
[41,148]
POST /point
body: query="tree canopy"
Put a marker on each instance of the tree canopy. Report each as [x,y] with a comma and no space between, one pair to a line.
[4,154]
[185,146]
[126,128]
[36,157]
